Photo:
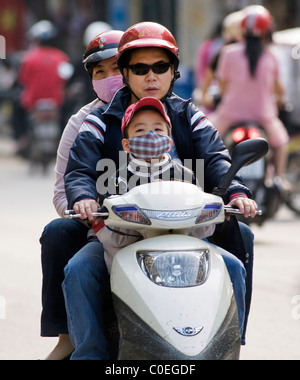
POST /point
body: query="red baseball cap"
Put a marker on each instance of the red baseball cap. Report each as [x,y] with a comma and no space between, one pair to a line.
[148,102]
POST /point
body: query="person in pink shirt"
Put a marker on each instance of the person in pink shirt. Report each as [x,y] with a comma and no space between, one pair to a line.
[248,75]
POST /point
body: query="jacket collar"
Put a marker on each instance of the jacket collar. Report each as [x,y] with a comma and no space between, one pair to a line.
[119,103]
[143,168]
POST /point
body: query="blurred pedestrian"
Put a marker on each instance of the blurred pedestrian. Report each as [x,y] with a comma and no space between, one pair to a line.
[248,75]
[231,33]
[43,73]
[206,52]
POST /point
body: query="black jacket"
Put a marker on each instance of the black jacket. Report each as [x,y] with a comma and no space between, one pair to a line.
[98,144]
[198,144]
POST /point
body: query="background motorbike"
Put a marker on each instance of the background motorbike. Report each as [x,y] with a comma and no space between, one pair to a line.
[258,177]
[44,133]
[172,293]
[287,49]
[292,198]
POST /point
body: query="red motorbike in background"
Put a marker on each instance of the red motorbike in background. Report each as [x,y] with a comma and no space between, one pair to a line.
[258,177]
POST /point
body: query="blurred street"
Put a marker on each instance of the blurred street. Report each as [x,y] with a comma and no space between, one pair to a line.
[26,202]
[26,206]
[274,322]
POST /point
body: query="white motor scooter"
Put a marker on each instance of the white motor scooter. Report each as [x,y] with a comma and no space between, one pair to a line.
[172,293]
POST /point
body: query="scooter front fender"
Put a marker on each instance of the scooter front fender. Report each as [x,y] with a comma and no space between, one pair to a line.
[170,312]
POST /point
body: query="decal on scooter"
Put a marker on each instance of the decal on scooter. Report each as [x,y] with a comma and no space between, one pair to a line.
[174,215]
[188,331]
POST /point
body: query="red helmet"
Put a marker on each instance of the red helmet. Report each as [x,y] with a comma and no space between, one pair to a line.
[257,21]
[103,46]
[148,34]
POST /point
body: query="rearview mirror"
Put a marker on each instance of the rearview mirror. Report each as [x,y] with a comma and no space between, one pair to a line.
[243,154]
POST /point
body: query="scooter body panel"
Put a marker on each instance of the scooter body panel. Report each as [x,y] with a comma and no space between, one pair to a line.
[140,342]
[186,319]
[177,207]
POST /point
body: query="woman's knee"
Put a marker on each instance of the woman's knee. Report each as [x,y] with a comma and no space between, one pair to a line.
[62,230]
[62,238]
[50,231]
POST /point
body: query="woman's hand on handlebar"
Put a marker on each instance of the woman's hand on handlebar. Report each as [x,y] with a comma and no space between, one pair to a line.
[86,207]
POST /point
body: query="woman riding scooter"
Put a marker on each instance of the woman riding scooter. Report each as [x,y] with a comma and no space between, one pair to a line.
[62,238]
[248,75]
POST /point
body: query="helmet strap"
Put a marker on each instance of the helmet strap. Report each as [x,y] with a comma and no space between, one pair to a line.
[127,84]
[176,76]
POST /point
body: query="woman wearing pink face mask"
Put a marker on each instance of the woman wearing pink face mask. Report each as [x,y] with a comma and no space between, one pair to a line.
[100,62]
[62,238]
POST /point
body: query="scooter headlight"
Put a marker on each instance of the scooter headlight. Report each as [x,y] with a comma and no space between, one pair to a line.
[175,269]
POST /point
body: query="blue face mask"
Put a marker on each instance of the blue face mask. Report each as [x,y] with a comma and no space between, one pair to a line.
[150,145]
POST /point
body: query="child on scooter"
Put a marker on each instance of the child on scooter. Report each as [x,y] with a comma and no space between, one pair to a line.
[146,129]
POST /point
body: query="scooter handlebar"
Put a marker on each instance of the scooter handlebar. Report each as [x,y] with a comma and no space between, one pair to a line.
[101,213]
[235,211]
[104,214]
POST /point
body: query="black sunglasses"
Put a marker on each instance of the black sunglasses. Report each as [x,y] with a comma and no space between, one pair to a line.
[143,69]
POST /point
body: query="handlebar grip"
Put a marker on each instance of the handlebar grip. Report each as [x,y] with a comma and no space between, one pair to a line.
[236,211]
[70,214]
[101,213]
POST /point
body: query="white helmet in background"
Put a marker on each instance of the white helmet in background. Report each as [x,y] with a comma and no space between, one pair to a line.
[93,30]
[42,31]
[232,29]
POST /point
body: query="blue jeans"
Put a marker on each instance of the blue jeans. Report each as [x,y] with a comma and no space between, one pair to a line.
[237,273]
[86,282]
[248,240]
